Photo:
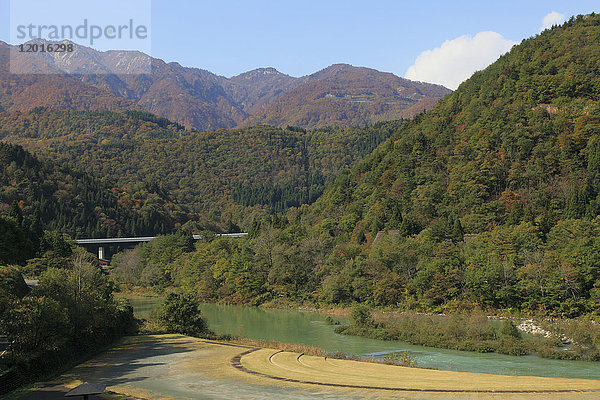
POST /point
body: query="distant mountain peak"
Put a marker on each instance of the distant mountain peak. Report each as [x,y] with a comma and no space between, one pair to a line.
[333,68]
[267,70]
[340,68]
[342,94]
[259,73]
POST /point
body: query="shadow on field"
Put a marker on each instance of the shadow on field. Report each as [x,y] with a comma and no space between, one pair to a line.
[56,392]
[126,364]
[120,365]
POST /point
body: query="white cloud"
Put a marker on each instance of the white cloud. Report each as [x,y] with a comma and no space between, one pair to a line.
[554,18]
[456,60]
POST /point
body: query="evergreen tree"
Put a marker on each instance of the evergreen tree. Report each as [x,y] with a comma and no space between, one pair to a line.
[16,214]
[361,238]
[457,231]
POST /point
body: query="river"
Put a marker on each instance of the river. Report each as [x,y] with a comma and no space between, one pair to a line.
[310,328]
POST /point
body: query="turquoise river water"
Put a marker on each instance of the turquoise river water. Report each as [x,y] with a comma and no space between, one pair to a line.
[309,328]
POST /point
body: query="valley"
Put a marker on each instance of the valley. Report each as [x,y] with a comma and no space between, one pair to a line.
[430,223]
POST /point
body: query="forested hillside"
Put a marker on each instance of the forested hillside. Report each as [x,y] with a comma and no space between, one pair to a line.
[223,175]
[518,141]
[490,200]
[39,194]
[512,156]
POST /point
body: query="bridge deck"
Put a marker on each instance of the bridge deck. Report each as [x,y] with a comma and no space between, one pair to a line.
[142,239]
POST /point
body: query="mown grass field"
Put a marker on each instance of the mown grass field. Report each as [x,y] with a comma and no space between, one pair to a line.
[175,366]
[344,373]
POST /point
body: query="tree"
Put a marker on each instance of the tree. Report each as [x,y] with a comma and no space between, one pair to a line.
[457,231]
[12,287]
[35,324]
[16,214]
[14,246]
[293,265]
[360,317]
[361,237]
[12,282]
[84,292]
[128,266]
[180,313]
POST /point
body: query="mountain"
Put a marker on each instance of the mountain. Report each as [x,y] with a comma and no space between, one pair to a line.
[22,92]
[345,95]
[521,134]
[199,99]
[256,89]
[220,175]
[491,199]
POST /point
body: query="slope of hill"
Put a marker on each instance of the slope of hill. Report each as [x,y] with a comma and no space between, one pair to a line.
[226,174]
[74,202]
[512,159]
[86,79]
[489,201]
[192,97]
[521,134]
[345,95]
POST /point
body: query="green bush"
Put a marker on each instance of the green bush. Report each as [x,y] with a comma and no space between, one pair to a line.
[12,282]
[180,313]
[509,329]
[459,332]
[360,316]
[400,358]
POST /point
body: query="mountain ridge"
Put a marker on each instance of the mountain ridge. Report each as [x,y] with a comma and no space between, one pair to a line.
[342,94]
[200,99]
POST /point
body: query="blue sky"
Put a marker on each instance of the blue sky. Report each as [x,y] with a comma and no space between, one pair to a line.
[301,37]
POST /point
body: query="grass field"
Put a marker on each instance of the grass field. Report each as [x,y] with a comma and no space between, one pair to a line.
[347,373]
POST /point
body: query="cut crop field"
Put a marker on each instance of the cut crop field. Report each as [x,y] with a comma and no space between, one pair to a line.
[181,367]
[325,371]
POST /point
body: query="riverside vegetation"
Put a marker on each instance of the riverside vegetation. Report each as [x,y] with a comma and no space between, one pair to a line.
[474,331]
[68,317]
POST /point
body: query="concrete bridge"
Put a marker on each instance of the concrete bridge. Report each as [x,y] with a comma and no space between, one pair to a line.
[131,242]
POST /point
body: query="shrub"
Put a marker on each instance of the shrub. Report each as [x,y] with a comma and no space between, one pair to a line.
[400,358]
[360,316]
[509,329]
[180,313]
